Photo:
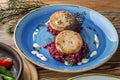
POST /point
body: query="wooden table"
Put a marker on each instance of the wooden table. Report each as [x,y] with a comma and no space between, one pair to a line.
[110,9]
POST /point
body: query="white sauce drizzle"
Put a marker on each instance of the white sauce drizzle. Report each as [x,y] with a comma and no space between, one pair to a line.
[96,40]
[85,60]
[34,52]
[37,30]
[79,63]
[93,53]
[35,33]
[36,46]
[41,56]
[66,63]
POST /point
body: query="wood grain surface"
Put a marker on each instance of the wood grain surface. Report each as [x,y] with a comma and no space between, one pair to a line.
[110,9]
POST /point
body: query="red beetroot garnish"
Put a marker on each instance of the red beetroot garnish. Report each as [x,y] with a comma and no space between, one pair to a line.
[45,46]
[74,58]
[52,31]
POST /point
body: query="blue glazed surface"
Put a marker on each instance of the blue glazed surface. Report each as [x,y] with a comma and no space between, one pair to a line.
[94,23]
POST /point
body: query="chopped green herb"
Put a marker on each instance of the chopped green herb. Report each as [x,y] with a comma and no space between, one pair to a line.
[67,14]
[69,61]
[59,22]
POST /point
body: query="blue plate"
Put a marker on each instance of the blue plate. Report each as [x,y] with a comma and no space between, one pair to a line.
[93,23]
[95,77]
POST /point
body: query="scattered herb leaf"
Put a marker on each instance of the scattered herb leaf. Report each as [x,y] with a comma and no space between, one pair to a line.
[59,22]
[67,14]
[69,61]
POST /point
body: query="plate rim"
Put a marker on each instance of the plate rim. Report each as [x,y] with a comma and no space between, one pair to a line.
[67,71]
[94,74]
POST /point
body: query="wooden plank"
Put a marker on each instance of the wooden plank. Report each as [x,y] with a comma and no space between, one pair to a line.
[108,8]
[99,5]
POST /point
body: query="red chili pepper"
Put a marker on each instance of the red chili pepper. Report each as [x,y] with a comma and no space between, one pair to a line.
[7,63]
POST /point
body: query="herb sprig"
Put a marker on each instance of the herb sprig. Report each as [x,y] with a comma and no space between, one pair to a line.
[16,9]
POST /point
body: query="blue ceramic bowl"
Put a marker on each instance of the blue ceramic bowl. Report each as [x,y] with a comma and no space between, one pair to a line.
[7,52]
[93,23]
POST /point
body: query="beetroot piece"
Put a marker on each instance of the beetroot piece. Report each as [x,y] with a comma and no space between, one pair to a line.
[74,58]
[55,33]
[52,31]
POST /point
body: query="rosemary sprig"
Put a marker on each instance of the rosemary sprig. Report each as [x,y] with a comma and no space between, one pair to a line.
[11,4]
[16,9]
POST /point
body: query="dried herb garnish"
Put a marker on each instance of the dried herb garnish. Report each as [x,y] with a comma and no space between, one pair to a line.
[67,14]
[17,9]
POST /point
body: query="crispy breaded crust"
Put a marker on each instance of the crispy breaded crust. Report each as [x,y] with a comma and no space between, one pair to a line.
[68,42]
[62,20]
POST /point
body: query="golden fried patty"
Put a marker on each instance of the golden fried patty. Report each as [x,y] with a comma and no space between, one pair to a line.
[68,42]
[62,20]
